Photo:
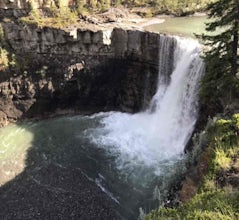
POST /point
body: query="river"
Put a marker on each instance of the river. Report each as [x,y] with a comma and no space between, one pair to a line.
[181,26]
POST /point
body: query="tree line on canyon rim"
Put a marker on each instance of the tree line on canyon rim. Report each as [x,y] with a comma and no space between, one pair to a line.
[154,6]
[145,8]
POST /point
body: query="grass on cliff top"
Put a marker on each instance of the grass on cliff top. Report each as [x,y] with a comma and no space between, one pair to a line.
[217,199]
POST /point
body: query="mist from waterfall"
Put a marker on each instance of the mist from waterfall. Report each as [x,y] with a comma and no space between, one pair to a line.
[157,137]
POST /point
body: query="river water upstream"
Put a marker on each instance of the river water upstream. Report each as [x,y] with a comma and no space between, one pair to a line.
[182,26]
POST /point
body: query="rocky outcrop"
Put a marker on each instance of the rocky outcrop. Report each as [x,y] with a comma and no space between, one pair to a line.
[116,43]
[77,70]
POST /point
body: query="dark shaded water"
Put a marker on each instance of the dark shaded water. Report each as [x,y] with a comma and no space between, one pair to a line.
[66,142]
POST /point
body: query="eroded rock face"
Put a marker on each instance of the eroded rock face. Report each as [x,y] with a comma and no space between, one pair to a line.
[116,43]
[77,69]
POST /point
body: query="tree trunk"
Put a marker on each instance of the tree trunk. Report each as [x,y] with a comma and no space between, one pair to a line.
[235,42]
[234,52]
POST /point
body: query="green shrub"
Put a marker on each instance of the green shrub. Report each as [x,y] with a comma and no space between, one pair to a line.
[2,38]
[204,206]
[212,202]
[4,62]
[58,17]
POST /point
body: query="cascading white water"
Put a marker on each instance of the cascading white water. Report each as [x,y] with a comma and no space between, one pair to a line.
[155,137]
[166,65]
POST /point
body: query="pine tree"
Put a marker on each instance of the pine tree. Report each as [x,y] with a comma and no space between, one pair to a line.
[221,48]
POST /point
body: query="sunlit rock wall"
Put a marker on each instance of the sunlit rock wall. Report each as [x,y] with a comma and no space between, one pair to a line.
[80,70]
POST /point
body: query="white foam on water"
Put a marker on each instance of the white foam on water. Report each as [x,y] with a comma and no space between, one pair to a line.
[157,136]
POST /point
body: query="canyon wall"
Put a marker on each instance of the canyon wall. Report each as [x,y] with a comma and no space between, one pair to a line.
[76,70]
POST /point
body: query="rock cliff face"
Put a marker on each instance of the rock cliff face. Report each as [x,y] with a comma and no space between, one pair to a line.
[117,43]
[77,70]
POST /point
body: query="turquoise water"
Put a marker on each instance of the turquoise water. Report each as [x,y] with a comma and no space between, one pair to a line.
[67,142]
[183,26]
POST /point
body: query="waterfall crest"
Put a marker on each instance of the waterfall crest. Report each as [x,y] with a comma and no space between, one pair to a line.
[158,135]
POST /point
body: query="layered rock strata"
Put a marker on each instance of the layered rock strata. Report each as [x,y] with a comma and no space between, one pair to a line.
[77,69]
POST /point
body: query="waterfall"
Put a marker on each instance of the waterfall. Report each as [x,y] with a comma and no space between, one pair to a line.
[166,65]
[148,147]
[157,136]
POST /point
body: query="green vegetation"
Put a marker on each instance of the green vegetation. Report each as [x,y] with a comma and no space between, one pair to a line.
[4,62]
[57,17]
[3,52]
[7,59]
[216,199]
[63,13]
[176,7]
[221,56]
[224,140]
[218,205]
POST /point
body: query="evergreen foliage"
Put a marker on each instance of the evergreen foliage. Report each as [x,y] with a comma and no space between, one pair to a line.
[177,7]
[221,49]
